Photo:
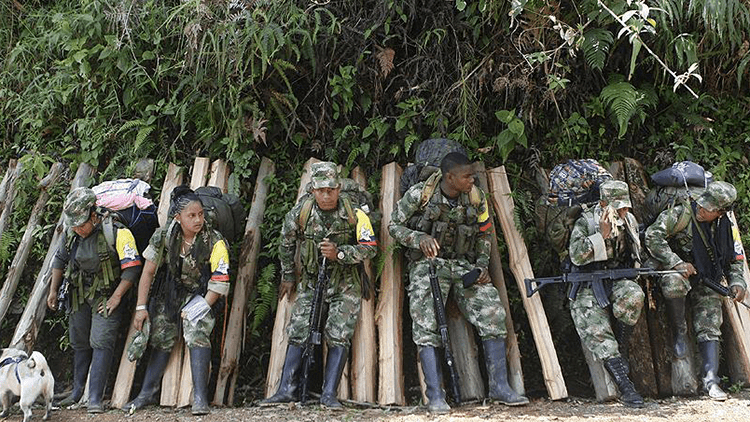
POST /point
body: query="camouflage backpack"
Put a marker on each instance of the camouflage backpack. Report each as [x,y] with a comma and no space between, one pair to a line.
[573,187]
[427,160]
[678,184]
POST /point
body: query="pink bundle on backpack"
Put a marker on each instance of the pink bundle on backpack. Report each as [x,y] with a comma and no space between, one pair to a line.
[120,194]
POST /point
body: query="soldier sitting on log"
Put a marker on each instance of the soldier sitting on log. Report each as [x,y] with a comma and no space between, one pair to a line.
[332,230]
[697,239]
[100,271]
[606,237]
[446,219]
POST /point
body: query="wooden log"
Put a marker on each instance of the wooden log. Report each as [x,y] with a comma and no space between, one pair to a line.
[201,166]
[737,342]
[4,184]
[466,353]
[604,388]
[364,343]
[126,369]
[219,175]
[27,329]
[279,338]
[388,316]
[244,284]
[10,195]
[513,353]
[173,382]
[521,268]
[22,252]
[171,180]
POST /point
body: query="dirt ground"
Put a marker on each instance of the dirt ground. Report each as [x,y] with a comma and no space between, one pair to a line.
[736,409]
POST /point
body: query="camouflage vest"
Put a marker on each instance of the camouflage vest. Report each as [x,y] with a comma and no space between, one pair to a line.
[454,227]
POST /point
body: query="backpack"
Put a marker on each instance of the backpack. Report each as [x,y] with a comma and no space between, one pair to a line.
[678,184]
[223,211]
[126,202]
[427,160]
[573,187]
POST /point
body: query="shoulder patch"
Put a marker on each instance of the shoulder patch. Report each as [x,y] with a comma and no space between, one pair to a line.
[220,262]
[365,232]
[127,252]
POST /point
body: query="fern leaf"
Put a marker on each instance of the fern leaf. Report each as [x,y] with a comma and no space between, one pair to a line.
[596,45]
[622,100]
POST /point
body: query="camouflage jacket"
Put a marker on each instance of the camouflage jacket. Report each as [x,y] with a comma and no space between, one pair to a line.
[587,244]
[670,238]
[356,243]
[408,211]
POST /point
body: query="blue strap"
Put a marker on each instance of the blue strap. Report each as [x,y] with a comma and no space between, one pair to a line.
[16,360]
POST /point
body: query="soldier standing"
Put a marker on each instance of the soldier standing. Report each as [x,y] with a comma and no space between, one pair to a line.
[325,225]
[606,237]
[100,272]
[700,241]
[446,219]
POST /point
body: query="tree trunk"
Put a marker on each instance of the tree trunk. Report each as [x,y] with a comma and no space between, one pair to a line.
[6,179]
[27,329]
[22,253]
[244,284]
[521,268]
[388,315]
[10,196]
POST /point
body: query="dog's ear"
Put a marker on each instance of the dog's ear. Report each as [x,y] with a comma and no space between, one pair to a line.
[31,363]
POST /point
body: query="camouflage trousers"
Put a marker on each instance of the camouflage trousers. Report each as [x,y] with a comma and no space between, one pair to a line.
[480,303]
[593,323]
[705,304]
[88,329]
[165,329]
[343,300]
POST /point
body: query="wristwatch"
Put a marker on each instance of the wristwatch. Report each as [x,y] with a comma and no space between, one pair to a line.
[340,255]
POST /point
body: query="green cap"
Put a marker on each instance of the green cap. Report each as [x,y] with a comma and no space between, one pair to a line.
[140,341]
[77,208]
[717,196]
[615,192]
[325,174]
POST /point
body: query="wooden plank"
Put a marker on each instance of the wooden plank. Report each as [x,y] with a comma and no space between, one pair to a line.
[388,316]
[521,268]
[6,179]
[126,369]
[737,345]
[219,175]
[279,338]
[513,353]
[10,195]
[27,329]
[465,352]
[24,246]
[244,284]
[171,180]
[173,383]
[363,372]
[604,388]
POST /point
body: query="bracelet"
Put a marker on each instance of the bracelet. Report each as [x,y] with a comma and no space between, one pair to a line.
[140,308]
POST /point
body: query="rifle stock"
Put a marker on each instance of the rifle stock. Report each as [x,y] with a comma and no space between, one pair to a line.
[315,336]
[442,320]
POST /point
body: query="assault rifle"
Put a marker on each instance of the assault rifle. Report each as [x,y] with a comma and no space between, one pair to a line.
[596,279]
[720,288]
[63,295]
[316,328]
[442,320]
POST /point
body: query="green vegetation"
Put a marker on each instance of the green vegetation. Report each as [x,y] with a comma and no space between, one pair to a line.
[361,82]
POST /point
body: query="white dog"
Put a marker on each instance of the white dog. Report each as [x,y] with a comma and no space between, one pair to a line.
[25,377]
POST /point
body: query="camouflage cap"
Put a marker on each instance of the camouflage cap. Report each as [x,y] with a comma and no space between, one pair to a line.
[717,196]
[324,174]
[615,192]
[77,208]
[140,341]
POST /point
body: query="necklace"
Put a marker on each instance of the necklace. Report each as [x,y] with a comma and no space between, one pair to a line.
[186,245]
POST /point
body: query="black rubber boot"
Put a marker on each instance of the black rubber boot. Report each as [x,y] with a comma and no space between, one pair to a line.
[334,367]
[617,367]
[289,385]
[709,370]
[200,357]
[623,332]
[676,312]
[151,381]
[433,379]
[81,363]
[101,360]
[497,374]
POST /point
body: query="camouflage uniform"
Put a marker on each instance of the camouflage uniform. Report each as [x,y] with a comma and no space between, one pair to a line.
[355,244]
[589,250]
[462,229]
[164,327]
[669,240]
